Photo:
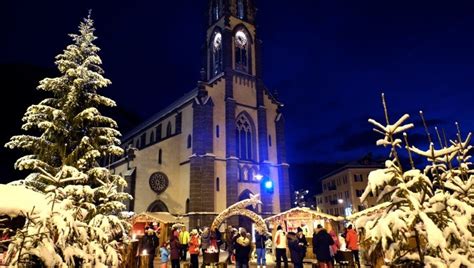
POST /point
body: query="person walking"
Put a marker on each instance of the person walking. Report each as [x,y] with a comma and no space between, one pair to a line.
[174,252]
[260,240]
[321,243]
[352,243]
[280,245]
[183,240]
[194,245]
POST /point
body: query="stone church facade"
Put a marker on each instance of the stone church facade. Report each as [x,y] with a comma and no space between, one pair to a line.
[220,142]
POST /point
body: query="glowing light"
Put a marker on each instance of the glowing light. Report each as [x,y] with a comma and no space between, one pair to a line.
[268,184]
[258,177]
[340,201]
[134,236]
[144,252]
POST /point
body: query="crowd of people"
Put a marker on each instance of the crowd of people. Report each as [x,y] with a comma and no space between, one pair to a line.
[238,244]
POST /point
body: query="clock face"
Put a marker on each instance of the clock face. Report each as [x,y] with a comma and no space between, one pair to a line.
[158,182]
[241,39]
[217,41]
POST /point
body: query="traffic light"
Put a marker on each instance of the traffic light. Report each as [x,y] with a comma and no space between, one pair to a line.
[268,185]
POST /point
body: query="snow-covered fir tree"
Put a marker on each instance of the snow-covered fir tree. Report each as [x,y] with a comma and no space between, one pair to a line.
[68,137]
[429,221]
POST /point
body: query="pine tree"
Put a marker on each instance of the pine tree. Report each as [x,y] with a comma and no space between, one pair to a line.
[69,138]
[429,219]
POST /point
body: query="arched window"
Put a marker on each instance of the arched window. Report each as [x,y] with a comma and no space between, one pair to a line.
[168,129]
[189,141]
[216,53]
[160,155]
[241,9]
[187,206]
[217,131]
[157,206]
[270,140]
[241,51]
[244,137]
[218,184]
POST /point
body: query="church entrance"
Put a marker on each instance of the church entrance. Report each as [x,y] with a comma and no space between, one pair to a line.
[246,222]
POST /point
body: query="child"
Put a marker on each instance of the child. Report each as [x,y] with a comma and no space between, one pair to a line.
[164,256]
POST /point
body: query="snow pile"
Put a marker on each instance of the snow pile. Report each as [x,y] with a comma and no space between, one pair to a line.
[19,201]
[429,220]
[80,201]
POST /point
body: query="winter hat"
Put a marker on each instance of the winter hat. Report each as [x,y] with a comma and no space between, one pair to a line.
[299,230]
[194,232]
[320,226]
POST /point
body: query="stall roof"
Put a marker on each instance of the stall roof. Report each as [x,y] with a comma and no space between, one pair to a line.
[306,210]
[368,211]
[163,217]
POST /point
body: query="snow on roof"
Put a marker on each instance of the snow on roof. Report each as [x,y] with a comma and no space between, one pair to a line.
[368,211]
[163,217]
[18,200]
[306,210]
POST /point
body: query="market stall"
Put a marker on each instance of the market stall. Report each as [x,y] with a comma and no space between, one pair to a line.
[305,218]
[161,221]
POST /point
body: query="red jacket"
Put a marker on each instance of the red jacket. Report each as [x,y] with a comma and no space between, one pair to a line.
[352,240]
[194,244]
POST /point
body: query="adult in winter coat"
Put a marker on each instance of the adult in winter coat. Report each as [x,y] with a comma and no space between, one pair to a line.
[336,246]
[229,238]
[205,239]
[183,241]
[174,252]
[194,244]
[242,250]
[280,245]
[149,243]
[297,250]
[352,243]
[321,242]
[260,240]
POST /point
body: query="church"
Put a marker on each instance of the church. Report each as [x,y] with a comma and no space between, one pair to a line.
[222,141]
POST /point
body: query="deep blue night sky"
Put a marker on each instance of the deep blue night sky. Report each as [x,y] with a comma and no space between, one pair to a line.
[329,61]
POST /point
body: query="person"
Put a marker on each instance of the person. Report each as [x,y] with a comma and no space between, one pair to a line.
[149,243]
[229,235]
[205,239]
[194,245]
[260,240]
[242,250]
[280,245]
[183,240]
[297,250]
[174,252]
[164,256]
[321,243]
[336,246]
[352,243]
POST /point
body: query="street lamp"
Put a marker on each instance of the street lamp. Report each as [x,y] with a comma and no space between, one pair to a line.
[340,201]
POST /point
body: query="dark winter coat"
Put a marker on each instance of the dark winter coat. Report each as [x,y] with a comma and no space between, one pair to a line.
[242,249]
[174,249]
[297,248]
[260,240]
[321,242]
[205,240]
[150,242]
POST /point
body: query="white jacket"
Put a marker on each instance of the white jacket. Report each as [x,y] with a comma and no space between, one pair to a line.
[280,239]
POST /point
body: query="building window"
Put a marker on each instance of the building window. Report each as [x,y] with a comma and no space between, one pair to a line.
[158,133]
[216,10]
[325,199]
[217,131]
[240,9]
[187,206]
[143,140]
[189,141]
[359,193]
[244,138]
[168,129]
[216,52]
[137,143]
[218,184]
[241,51]
[344,179]
[270,140]
[160,155]
[358,177]
[346,194]
[152,137]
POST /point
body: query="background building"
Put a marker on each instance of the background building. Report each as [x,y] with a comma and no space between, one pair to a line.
[207,150]
[342,189]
